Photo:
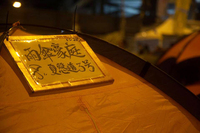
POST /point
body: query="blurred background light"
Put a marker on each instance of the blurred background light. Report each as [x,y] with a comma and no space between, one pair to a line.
[17,4]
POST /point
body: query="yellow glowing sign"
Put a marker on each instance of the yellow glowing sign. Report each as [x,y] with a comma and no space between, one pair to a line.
[50,62]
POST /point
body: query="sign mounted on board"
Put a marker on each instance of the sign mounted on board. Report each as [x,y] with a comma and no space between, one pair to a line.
[56,61]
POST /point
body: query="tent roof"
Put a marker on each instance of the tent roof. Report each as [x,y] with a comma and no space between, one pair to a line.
[187,48]
[166,28]
[184,56]
[130,104]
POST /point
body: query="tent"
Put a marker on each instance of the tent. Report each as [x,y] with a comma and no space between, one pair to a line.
[154,37]
[141,99]
[182,62]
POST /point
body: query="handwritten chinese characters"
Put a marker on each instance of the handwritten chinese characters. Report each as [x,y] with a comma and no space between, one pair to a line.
[61,68]
[57,60]
[54,51]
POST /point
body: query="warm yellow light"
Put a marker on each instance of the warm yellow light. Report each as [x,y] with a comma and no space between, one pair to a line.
[17,54]
[17,4]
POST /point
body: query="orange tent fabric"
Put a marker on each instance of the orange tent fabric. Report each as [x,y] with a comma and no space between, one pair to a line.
[176,49]
[184,55]
[129,105]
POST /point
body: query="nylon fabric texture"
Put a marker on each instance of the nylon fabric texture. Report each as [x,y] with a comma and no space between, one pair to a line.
[128,105]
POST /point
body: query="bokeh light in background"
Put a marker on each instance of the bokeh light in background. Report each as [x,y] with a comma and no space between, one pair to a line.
[17,4]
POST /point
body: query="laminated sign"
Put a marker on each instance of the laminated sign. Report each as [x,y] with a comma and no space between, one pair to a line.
[56,61]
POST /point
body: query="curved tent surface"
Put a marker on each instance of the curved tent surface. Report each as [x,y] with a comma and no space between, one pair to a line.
[182,62]
[130,104]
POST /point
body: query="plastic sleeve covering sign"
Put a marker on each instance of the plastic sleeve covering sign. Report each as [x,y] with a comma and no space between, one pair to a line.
[50,62]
